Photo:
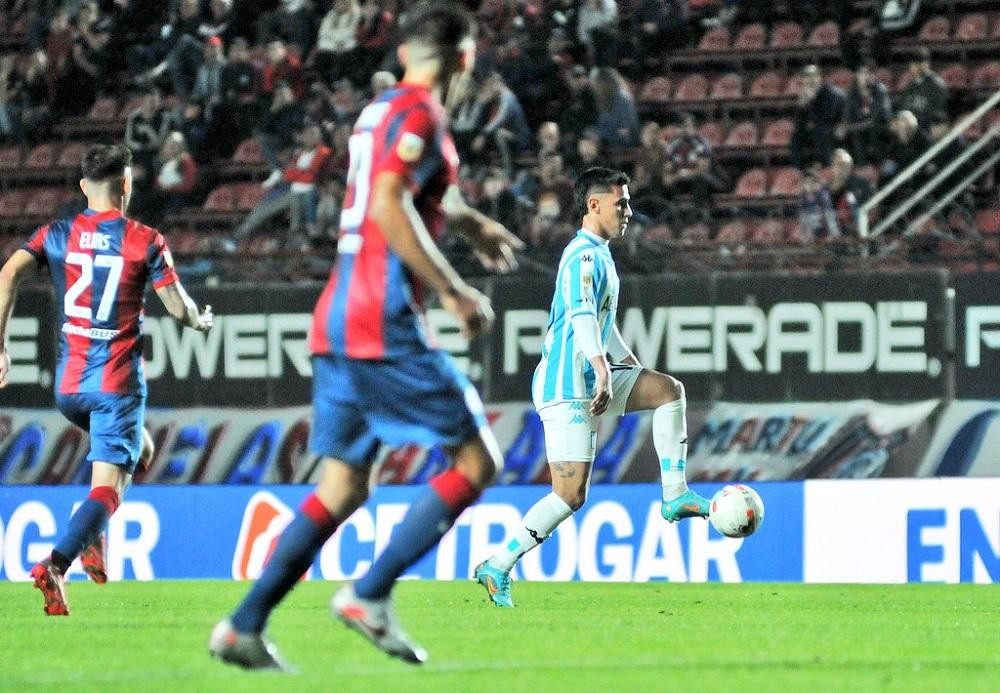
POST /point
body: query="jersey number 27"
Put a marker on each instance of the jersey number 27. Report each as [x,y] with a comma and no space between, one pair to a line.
[86,263]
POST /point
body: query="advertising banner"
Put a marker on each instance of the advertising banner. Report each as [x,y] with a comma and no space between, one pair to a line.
[736,337]
[266,446]
[929,530]
[228,532]
[977,318]
[966,441]
[798,440]
[918,530]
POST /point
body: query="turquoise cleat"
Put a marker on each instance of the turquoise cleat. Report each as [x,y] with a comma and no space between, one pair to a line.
[496,582]
[688,504]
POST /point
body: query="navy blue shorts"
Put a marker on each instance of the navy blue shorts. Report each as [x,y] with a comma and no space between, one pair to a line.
[114,423]
[421,399]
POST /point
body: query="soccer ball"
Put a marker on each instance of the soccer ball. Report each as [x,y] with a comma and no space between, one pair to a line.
[736,511]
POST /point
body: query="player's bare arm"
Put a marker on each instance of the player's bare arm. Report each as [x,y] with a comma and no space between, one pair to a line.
[392,209]
[492,243]
[183,308]
[19,267]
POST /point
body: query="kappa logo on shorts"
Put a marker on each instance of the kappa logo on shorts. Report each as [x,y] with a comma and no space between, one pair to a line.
[264,519]
[577,419]
[576,406]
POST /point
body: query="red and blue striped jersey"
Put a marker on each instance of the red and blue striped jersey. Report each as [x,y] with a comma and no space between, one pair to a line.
[372,306]
[99,263]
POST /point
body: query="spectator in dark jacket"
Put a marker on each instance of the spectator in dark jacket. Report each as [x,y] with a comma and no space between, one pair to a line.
[820,110]
[617,117]
[867,115]
[277,124]
[848,191]
[687,166]
[926,96]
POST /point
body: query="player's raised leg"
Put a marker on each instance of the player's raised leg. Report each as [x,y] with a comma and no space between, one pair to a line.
[366,605]
[664,395]
[239,639]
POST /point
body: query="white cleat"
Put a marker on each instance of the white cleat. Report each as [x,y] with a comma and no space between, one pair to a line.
[376,620]
[248,650]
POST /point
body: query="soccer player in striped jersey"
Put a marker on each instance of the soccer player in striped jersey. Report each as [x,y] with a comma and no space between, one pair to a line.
[377,378]
[586,371]
[99,262]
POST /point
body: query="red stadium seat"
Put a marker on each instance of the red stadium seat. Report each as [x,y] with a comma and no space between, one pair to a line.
[729,87]
[42,156]
[826,35]
[861,25]
[44,202]
[12,203]
[793,231]
[733,232]
[751,38]
[72,155]
[692,88]
[842,78]
[713,132]
[714,40]
[767,231]
[778,133]
[753,183]
[988,222]
[793,85]
[787,182]
[904,80]
[656,90]
[767,86]
[975,130]
[973,27]
[698,233]
[987,76]
[996,28]
[184,241]
[659,233]
[955,76]
[249,195]
[743,135]
[104,109]
[248,152]
[10,158]
[935,29]
[221,199]
[786,35]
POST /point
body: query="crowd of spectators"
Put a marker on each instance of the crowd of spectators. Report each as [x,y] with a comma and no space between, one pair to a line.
[555,84]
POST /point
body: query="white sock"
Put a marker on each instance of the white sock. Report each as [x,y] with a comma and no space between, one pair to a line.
[539,522]
[670,442]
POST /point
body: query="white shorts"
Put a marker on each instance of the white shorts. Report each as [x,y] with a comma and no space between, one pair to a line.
[570,429]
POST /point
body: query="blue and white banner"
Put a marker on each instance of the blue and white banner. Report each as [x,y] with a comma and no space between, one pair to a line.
[229,531]
[931,530]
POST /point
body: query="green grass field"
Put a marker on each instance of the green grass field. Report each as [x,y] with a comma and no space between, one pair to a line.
[580,637]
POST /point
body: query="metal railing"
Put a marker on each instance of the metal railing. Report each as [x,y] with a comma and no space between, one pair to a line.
[864,229]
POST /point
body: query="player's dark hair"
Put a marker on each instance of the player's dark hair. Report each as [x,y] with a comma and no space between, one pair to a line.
[441,24]
[597,179]
[106,162]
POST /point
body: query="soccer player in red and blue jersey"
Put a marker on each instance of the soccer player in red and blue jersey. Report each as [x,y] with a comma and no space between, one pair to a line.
[378,379]
[100,263]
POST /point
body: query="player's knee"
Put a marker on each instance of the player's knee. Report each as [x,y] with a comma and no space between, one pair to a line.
[574,498]
[672,389]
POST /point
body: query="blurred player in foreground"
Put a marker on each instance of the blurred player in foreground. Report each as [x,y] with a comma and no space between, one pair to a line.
[100,263]
[586,371]
[376,377]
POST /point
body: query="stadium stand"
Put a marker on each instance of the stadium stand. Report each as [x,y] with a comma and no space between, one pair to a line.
[741,79]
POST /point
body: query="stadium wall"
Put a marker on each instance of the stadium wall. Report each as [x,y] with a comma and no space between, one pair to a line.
[945,530]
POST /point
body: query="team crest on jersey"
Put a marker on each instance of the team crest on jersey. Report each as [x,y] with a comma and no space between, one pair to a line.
[410,147]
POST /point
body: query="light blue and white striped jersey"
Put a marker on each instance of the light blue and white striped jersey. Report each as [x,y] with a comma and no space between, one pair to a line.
[587,282]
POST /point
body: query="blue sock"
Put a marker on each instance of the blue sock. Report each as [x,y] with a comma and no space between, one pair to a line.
[427,520]
[291,559]
[87,522]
